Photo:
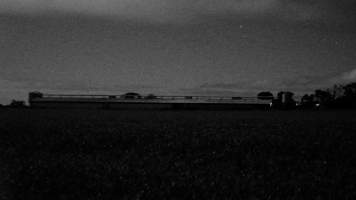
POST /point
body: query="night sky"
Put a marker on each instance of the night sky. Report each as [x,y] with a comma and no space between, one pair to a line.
[185,47]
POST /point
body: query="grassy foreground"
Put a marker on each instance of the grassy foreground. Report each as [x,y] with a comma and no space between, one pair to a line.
[77,154]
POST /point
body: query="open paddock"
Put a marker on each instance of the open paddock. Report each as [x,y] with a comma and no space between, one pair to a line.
[104,154]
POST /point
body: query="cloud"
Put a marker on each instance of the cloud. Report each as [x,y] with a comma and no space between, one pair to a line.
[172,10]
[237,85]
[298,85]
[349,76]
[346,77]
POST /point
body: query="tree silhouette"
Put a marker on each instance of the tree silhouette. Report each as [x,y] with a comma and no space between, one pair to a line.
[349,98]
[265,95]
[350,90]
[17,104]
[131,95]
[340,96]
[308,101]
[151,96]
[324,97]
[284,100]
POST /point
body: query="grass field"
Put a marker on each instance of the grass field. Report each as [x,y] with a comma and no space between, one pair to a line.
[77,154]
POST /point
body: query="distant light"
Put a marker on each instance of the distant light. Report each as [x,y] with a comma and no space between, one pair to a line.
[317,105]
[270,104]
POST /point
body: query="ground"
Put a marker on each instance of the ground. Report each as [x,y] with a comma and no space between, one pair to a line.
[103,154]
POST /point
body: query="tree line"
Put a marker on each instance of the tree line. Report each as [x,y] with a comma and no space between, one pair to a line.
[337,97]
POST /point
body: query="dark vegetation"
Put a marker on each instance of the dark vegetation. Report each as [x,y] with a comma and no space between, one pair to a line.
[98,154]
[17,104]
[265,95]
[338,97]
[150,96]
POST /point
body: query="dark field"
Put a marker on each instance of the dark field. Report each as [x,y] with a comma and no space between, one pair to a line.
[73,154]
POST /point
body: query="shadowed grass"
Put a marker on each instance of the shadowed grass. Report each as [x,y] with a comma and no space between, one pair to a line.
[78,154]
